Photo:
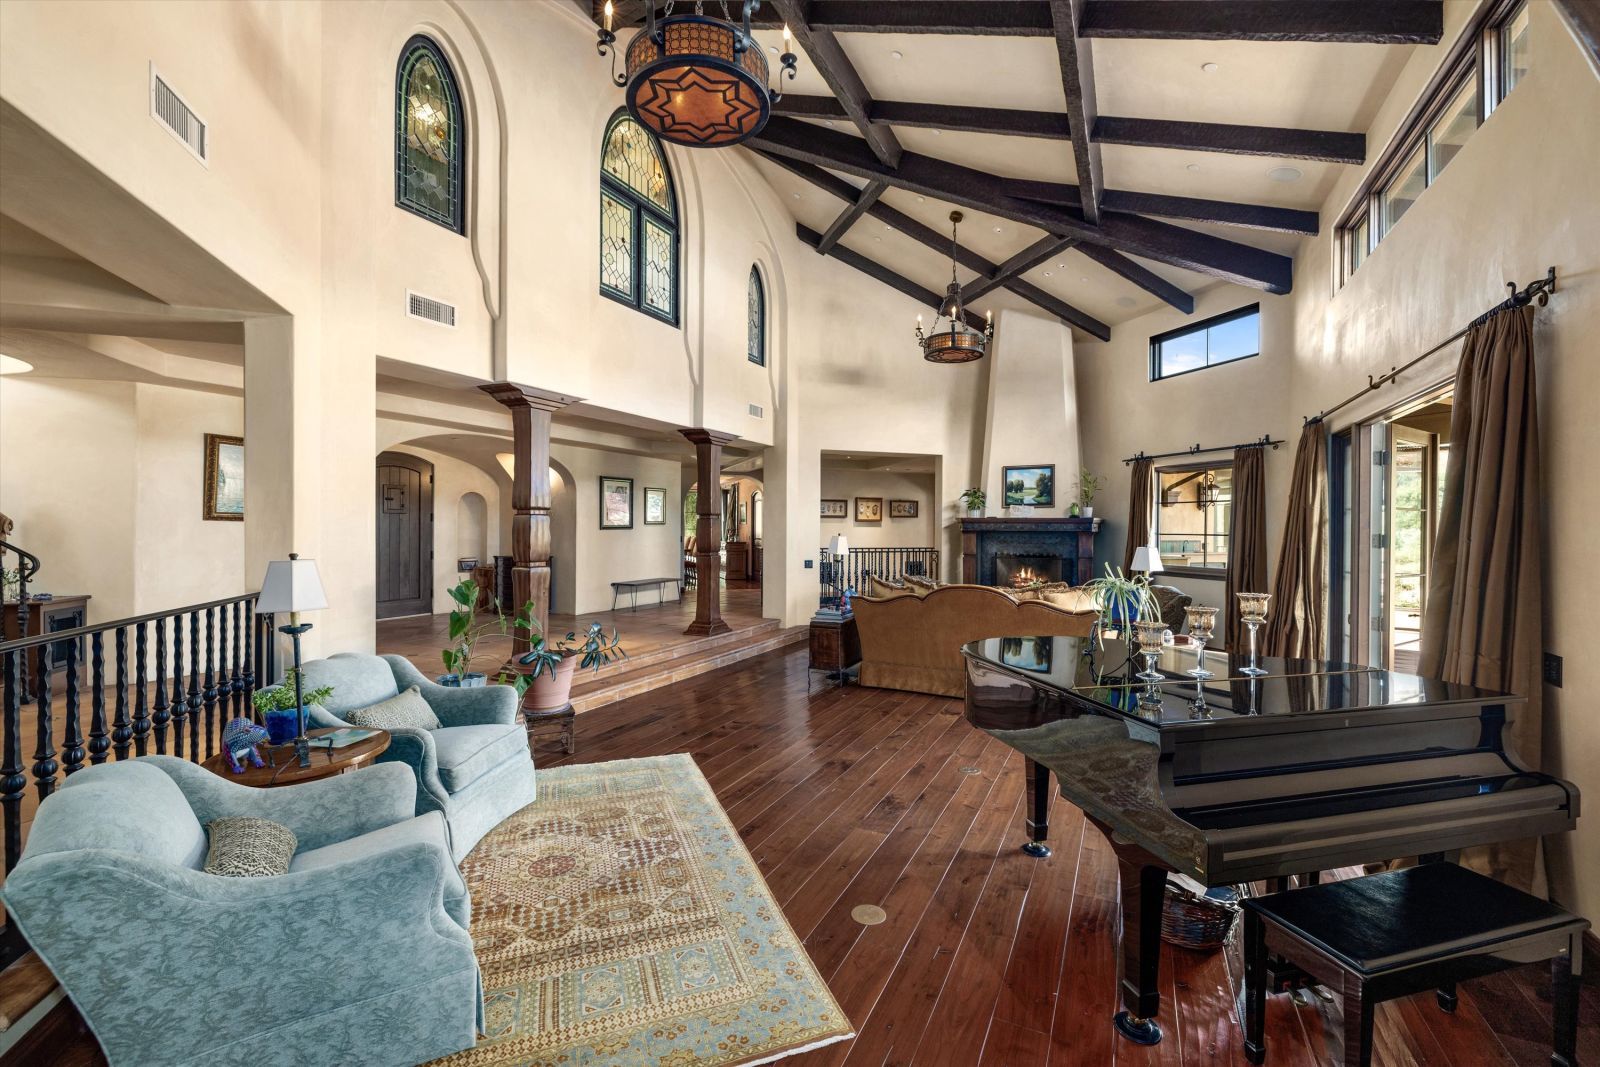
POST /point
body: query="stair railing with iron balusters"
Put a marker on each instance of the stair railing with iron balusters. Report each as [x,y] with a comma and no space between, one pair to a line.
[889,564]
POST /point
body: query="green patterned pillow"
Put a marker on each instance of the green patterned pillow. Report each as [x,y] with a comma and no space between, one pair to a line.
[407,711]
[249,848]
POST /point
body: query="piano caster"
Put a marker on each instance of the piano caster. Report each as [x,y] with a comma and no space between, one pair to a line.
[1037,849]
[1139,1031]
[1447,1000]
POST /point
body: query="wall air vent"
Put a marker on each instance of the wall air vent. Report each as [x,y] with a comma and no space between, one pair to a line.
[170,110]
[757,411]
[429,309]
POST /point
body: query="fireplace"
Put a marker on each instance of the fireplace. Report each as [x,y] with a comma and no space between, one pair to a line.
[995,551]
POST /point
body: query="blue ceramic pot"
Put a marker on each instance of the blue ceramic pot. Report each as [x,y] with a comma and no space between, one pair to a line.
[282,725]
[470,681]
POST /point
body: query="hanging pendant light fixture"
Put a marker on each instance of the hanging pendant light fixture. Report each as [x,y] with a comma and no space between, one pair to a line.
[697,80]
[959,343]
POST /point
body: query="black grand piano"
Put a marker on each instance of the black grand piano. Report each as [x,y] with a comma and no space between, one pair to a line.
[1235,778]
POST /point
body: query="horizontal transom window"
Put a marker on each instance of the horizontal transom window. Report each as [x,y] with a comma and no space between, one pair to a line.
[1224,339]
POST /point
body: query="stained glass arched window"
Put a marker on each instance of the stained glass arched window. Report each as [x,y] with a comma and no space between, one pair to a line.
[638,221]
[756,319]
[430,140]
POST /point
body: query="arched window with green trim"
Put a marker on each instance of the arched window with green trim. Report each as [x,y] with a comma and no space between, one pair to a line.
[756,318]
[638,221]
[430,139]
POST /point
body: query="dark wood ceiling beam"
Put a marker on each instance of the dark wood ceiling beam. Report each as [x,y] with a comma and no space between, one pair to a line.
[847,218]
[1324,145]
[1140,275]
[827,55]
[955,117]
[964,186]
[1077,85]
[1192,209]
[883,274]
[1041,251]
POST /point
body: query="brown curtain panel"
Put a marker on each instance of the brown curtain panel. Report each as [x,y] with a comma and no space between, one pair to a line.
[1297,624]
[1247,540]
[1482,622]
[1141,505]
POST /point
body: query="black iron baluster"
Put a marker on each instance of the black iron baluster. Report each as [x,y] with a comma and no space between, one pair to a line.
[13,776]
[249,676]
[211,680]
[141,713]
[196,698]
[235,675]
[180,702]
[72,751]
[121,728]
[44,753]
[163,714]
[99,739]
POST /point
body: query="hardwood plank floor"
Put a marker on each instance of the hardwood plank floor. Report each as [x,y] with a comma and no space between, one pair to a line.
[984,956]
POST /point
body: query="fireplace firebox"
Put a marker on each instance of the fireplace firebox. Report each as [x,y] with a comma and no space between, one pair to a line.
[1061,548]
[1017,571]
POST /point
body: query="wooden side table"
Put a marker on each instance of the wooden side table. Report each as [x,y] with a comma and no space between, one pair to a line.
[563,715]
[835,646]
[281,768]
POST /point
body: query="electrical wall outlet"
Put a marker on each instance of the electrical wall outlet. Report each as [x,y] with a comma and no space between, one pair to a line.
[1552,669]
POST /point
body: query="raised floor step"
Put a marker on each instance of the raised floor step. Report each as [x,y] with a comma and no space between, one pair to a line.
[690,660]
[685,650]
[22,986]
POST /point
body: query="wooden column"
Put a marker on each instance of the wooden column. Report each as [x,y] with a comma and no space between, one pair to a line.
[708,531]
[531,410]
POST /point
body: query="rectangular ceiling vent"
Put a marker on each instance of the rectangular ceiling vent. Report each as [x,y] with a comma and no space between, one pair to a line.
[429,309]
[170,110]
[757,411]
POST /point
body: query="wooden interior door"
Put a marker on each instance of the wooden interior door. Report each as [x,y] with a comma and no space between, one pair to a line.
[405,535]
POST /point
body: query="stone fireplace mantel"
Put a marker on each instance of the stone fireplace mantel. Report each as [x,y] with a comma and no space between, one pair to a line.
[1071,540]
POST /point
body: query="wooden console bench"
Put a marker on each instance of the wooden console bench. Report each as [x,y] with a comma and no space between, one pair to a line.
[633,585]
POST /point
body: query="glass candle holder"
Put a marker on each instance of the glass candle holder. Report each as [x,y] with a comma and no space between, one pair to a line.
[1150,634]
[1253,612]
[1202,623]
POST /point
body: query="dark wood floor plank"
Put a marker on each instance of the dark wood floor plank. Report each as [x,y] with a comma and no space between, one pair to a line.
[1081,1031]
[1033,974]
[1009,1045]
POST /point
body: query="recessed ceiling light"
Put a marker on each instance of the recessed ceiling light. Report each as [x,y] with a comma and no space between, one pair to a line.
[897,54]
[1083,279]
[795,195]
[1209,68]
[921,199]
[772,48]
[997,229]
[936,133]
[827,122]
[1126,301]
[1284,174]
[877,238]
[1047,274]
[1191,167]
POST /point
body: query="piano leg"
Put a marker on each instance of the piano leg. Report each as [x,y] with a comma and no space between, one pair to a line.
[1038,817]
[1143,892]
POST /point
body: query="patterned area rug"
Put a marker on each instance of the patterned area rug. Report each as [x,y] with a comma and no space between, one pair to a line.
[620,920]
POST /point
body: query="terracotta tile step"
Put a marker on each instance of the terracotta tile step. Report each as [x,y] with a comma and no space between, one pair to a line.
[641,680]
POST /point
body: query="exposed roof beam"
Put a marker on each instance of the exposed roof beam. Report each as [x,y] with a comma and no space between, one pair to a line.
[1077,85]
[1039,252]
[1325,145]
[1139,275]
[935,116]
[836,69]
[1225,212]
[847,218]
[927,235]
[883,274]
[1165,243]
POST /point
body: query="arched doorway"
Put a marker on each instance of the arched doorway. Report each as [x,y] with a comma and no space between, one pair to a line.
[405,535]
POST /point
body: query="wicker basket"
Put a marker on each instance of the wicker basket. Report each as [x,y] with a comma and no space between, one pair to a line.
[1192,920]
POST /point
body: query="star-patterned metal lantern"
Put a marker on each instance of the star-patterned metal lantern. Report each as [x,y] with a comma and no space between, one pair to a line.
[697,80]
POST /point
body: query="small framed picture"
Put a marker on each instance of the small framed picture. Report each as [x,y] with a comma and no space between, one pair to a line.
[869,509]
[655,506]
[616,503]
[835,509]
[1035,485]
[223,492]
[902,509]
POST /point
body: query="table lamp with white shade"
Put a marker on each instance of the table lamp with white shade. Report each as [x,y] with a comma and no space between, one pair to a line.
[292,585]
[1146,560]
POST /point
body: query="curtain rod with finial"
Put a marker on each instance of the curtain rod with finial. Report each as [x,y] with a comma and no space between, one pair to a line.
[1538,290]
[1265,441]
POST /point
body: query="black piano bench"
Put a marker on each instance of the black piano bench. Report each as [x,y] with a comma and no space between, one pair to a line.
[1402,932]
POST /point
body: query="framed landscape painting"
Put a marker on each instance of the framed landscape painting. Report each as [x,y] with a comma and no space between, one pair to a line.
[616,503]
[224,485]
[902,509]
[835,509]
[1035,486]
[655,506]
[869,509]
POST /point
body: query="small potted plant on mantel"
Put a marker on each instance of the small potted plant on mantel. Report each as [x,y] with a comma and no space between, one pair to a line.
[554,664]
[974,499]
[466,631]
[1088,484]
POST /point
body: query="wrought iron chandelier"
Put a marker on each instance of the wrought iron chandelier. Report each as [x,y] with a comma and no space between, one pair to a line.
[697,80]
[959,343]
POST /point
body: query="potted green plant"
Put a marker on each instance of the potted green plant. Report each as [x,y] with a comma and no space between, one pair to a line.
[277,710]
[554,664]
[974,499]
[1087,485]
[466,631]
[1122,600]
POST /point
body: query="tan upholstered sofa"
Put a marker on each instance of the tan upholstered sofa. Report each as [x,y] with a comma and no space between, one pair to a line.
[914,642]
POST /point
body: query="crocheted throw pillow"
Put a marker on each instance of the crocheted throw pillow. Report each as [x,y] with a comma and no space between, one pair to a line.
[407,711]
[249,848]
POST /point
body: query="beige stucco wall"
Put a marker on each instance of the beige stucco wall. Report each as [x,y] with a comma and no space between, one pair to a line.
[846,485]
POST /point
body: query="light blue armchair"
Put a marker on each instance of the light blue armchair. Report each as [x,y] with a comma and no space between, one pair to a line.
[475,770]
[360,954]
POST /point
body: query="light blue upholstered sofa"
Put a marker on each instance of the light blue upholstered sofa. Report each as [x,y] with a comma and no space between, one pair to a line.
[476,770]
[360,954]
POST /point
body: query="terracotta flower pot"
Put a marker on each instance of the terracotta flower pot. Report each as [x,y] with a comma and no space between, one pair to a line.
[550,692]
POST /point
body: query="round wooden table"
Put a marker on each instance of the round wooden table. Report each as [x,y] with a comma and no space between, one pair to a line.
[281,768]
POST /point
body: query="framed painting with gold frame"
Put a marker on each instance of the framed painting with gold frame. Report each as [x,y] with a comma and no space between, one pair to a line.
[223,491]
[869,509]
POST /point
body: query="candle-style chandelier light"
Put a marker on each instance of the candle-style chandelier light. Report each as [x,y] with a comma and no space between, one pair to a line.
[959,343]
[695,79]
